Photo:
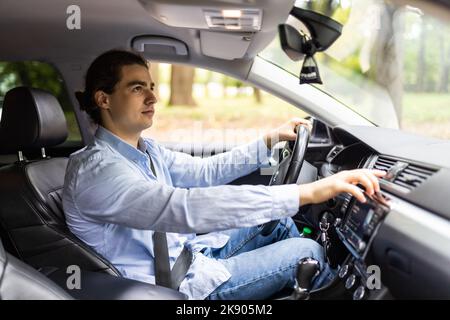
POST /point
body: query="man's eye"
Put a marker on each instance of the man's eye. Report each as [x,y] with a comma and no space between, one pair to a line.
[137,89]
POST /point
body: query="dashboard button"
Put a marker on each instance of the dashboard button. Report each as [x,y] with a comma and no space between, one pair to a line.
[343,272]
[361,245]
[351,281]
[360,293]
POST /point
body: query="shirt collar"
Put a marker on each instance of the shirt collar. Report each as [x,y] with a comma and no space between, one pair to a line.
[124,148]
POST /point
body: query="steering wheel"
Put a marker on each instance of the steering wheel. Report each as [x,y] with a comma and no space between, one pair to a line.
[288,168]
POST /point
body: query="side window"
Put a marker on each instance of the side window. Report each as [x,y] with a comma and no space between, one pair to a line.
[42,76]
[198,106]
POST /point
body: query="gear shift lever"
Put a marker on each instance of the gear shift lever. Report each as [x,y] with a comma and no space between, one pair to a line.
[306,270]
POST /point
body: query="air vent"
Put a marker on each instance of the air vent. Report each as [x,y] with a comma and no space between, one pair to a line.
[413,176]
[334,152]
[405,176]
[384,164]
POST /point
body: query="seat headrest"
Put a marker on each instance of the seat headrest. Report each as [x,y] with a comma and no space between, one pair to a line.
[31,119]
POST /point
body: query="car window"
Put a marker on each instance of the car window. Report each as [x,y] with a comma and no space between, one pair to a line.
[42,76]
[204,107]
[391,64]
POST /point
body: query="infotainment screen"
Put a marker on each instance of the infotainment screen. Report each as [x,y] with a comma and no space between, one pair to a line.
[361,222]
[360,216]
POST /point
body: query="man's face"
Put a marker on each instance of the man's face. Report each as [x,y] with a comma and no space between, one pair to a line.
[131,105]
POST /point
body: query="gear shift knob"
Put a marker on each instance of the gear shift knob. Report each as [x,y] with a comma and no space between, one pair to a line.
[307,268]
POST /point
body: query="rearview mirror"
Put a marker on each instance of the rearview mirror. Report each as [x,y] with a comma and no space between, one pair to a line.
[323,32]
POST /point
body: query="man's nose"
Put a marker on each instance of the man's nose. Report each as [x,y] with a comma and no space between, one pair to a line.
[150,98]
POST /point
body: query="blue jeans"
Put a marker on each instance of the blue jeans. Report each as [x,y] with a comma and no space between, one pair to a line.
[261,266]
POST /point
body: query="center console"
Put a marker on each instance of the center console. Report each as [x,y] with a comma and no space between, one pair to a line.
[357,231]
[361,223]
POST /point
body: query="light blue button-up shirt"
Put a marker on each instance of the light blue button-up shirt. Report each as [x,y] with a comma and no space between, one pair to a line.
[113,201]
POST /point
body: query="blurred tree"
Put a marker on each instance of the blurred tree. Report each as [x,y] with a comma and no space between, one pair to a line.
[388,57]
[257,95]
[224,86]
[34,74]
[181,85]
[42,76]
[444,62]
[421,62]
[209,78]
[154,71]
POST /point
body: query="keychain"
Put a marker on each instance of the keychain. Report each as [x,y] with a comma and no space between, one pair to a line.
[324,225]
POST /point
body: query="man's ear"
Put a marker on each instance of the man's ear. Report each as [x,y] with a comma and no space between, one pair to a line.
[101,98]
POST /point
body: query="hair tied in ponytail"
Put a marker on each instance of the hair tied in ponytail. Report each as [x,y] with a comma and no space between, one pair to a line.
[81,97]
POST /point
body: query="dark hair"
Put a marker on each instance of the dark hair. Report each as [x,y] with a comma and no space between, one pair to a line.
[103,74]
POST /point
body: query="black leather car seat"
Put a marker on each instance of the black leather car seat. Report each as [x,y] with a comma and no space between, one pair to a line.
[19,281]
[32,223]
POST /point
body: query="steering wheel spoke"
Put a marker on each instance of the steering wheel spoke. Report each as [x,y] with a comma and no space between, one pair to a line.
[289,167]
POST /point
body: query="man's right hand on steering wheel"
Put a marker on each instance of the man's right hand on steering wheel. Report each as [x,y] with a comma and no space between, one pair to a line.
[286,132]
[327,188]
[344,181]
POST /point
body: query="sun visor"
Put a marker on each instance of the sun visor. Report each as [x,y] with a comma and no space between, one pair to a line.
[227,29]
[213,44]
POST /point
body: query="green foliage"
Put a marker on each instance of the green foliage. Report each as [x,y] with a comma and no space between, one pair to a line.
[42,76]
[435,45]
[29,73]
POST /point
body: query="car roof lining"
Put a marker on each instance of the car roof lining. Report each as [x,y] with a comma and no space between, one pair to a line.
[31,31]
[38,32]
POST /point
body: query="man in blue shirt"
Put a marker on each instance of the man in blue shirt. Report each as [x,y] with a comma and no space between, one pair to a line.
[122,188]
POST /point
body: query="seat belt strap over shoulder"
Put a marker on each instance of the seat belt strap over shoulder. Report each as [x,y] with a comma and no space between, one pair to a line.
[163,275]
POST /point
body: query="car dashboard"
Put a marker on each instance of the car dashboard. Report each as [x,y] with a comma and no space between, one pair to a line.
[395,245]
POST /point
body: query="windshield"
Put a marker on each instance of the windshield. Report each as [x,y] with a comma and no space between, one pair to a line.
[391,64]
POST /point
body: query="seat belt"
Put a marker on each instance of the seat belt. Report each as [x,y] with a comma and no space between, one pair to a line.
[162,264]
[163,276]
[181,267]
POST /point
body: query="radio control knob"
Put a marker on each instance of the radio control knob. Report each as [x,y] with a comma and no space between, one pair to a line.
[351,281]
[361,245]
[367,231]
[360,293]
[343,272]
